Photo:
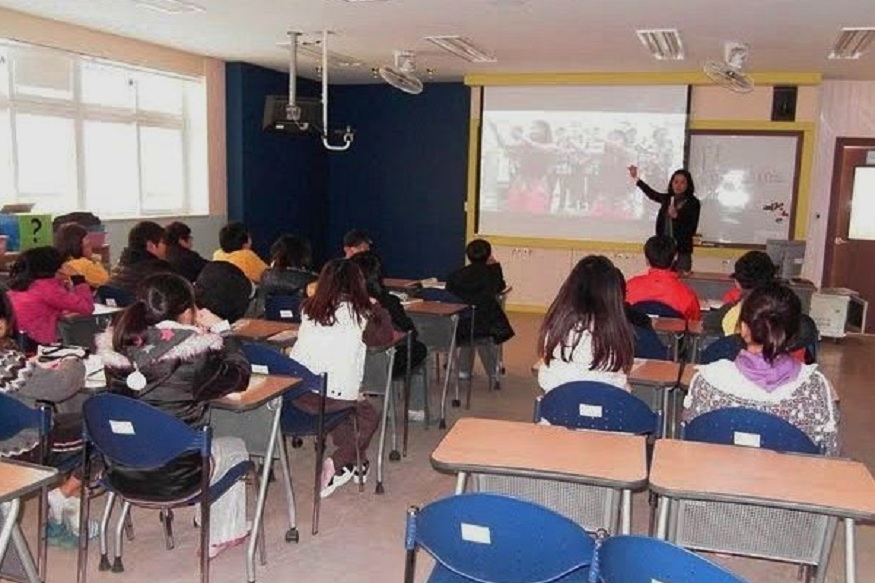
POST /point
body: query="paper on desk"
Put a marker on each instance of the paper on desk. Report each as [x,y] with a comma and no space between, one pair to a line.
[411,301]
[100,309]
[433,282]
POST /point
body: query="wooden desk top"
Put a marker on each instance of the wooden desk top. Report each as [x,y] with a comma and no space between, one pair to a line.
[19,478]
[258,329]
[660,372]
[398,283]
[542,451]
[261,389]
[676,325]
[709,275]
[435,308]
[727,473]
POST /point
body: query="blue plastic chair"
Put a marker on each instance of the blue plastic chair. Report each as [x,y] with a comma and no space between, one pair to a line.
[283,308]
[131,434]
[741,426]
[294,422]
[636,559]
[490,538]
[725,348]
[652,308]
[17,418]
[648,345]
[599,406]
[114,296]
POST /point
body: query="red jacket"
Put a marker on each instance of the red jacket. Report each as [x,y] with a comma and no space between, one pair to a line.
[38,308]
[663,285]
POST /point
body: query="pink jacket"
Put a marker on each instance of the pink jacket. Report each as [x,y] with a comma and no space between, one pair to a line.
[38,308]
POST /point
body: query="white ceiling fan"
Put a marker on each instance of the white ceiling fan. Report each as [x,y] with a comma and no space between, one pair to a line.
[729,72]
[401,76]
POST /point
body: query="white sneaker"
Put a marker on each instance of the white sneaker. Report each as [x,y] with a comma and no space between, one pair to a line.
[331,481]
[57,505]
[417,416]
[71,518]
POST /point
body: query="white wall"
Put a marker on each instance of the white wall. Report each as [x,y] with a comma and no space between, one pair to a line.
[847,109]
[204,229]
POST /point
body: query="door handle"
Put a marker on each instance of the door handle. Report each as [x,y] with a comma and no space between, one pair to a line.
[840,241]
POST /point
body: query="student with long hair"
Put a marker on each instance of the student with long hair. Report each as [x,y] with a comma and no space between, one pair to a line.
[586,335]
[71,240]
[291,260]
[338,322]
[764,376]
[162,351]
[42,289]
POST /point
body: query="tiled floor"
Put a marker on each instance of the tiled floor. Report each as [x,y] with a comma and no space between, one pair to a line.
[361,535]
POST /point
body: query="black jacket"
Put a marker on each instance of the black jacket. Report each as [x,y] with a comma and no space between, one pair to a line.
[687,221]
[184,370]
[134,266]
[479,284]
[285,282]
[185,262]
[402,322]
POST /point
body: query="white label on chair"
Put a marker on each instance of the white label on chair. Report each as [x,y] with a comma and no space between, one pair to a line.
[260,369]
[287,314]
[590,410]
[655,581]
[111,303]
[121,427]
[746,439]
[476,534]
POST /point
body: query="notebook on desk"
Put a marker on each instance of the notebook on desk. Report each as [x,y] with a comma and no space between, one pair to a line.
[433,282]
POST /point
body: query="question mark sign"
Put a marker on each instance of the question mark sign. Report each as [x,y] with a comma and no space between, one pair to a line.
[37,225]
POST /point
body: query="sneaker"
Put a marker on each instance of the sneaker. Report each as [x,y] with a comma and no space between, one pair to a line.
[363,477]
[71,518]
[334,480]
[58,535]
[417,416]
[464,376]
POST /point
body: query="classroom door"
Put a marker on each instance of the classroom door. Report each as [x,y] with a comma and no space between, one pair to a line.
[850,235]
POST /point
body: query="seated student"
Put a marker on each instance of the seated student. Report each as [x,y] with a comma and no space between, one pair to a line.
[752,270]
[372,269]
[180,251]
[289,274]
[56,382]
[636,317]
[161,351]
[236,248]
[144,256]
[71,240]
[585,335]
[661,283]
[42,289]
[337,324]
[355,241]
[764,376]
[479,284]
[222,289]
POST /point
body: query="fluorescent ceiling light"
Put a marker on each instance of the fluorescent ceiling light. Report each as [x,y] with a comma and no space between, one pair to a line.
[312,49]
[663,43]
[170,6]
[463,48]
[852,43]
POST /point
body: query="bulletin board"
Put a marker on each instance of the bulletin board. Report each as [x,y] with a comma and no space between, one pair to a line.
[748,183]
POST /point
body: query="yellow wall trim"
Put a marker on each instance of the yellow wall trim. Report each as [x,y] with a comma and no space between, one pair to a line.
[634,78]
[525,309]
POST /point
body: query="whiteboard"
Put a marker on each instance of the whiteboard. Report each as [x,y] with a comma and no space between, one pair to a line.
[747,182]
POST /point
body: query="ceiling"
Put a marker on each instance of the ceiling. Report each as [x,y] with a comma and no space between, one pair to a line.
[526,36]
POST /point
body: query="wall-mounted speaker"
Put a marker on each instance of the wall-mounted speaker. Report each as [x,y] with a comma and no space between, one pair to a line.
[784,102]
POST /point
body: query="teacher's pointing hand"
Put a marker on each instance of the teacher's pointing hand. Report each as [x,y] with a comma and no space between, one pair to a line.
[633,172]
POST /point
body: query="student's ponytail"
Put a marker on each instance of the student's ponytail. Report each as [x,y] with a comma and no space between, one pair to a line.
[130,326]
[772,313]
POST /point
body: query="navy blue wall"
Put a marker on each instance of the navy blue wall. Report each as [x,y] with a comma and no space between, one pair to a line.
[277,183]
[404,180]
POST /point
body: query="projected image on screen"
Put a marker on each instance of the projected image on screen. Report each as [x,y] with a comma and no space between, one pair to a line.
[554,161]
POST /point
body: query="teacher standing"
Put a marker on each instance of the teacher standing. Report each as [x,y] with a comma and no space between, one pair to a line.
[678,215]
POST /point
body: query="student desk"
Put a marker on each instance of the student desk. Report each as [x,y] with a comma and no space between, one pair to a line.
[80,329]
[17,480]
[554,466]
[677,328]
[704,472]
[402,285]
[714,285]
[437,324]
[254,415]
[258,329]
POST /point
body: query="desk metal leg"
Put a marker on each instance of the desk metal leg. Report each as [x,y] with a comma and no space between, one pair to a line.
[30,568]
[850,552]
[451,358]
[10,512]
[662,523]
[626,512]
[826,549]
[406,411]
[666,400]
[461,479]
[292,533]
[262,490]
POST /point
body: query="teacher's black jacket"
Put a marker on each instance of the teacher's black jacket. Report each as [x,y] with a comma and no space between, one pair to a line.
[687,221]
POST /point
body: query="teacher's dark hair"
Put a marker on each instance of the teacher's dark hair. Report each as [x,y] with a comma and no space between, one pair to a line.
[691,186]
[772,313]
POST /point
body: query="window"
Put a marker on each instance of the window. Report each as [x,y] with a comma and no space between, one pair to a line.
[78,133]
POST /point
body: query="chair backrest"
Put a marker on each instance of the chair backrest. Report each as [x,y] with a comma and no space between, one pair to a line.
[16,417]
[748,427]
[637,558]
[726,348]
[652,308]
[134,434]
[488,537]
[283,308]
[265,359]
[114,296]
[648,345]
[592,405]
